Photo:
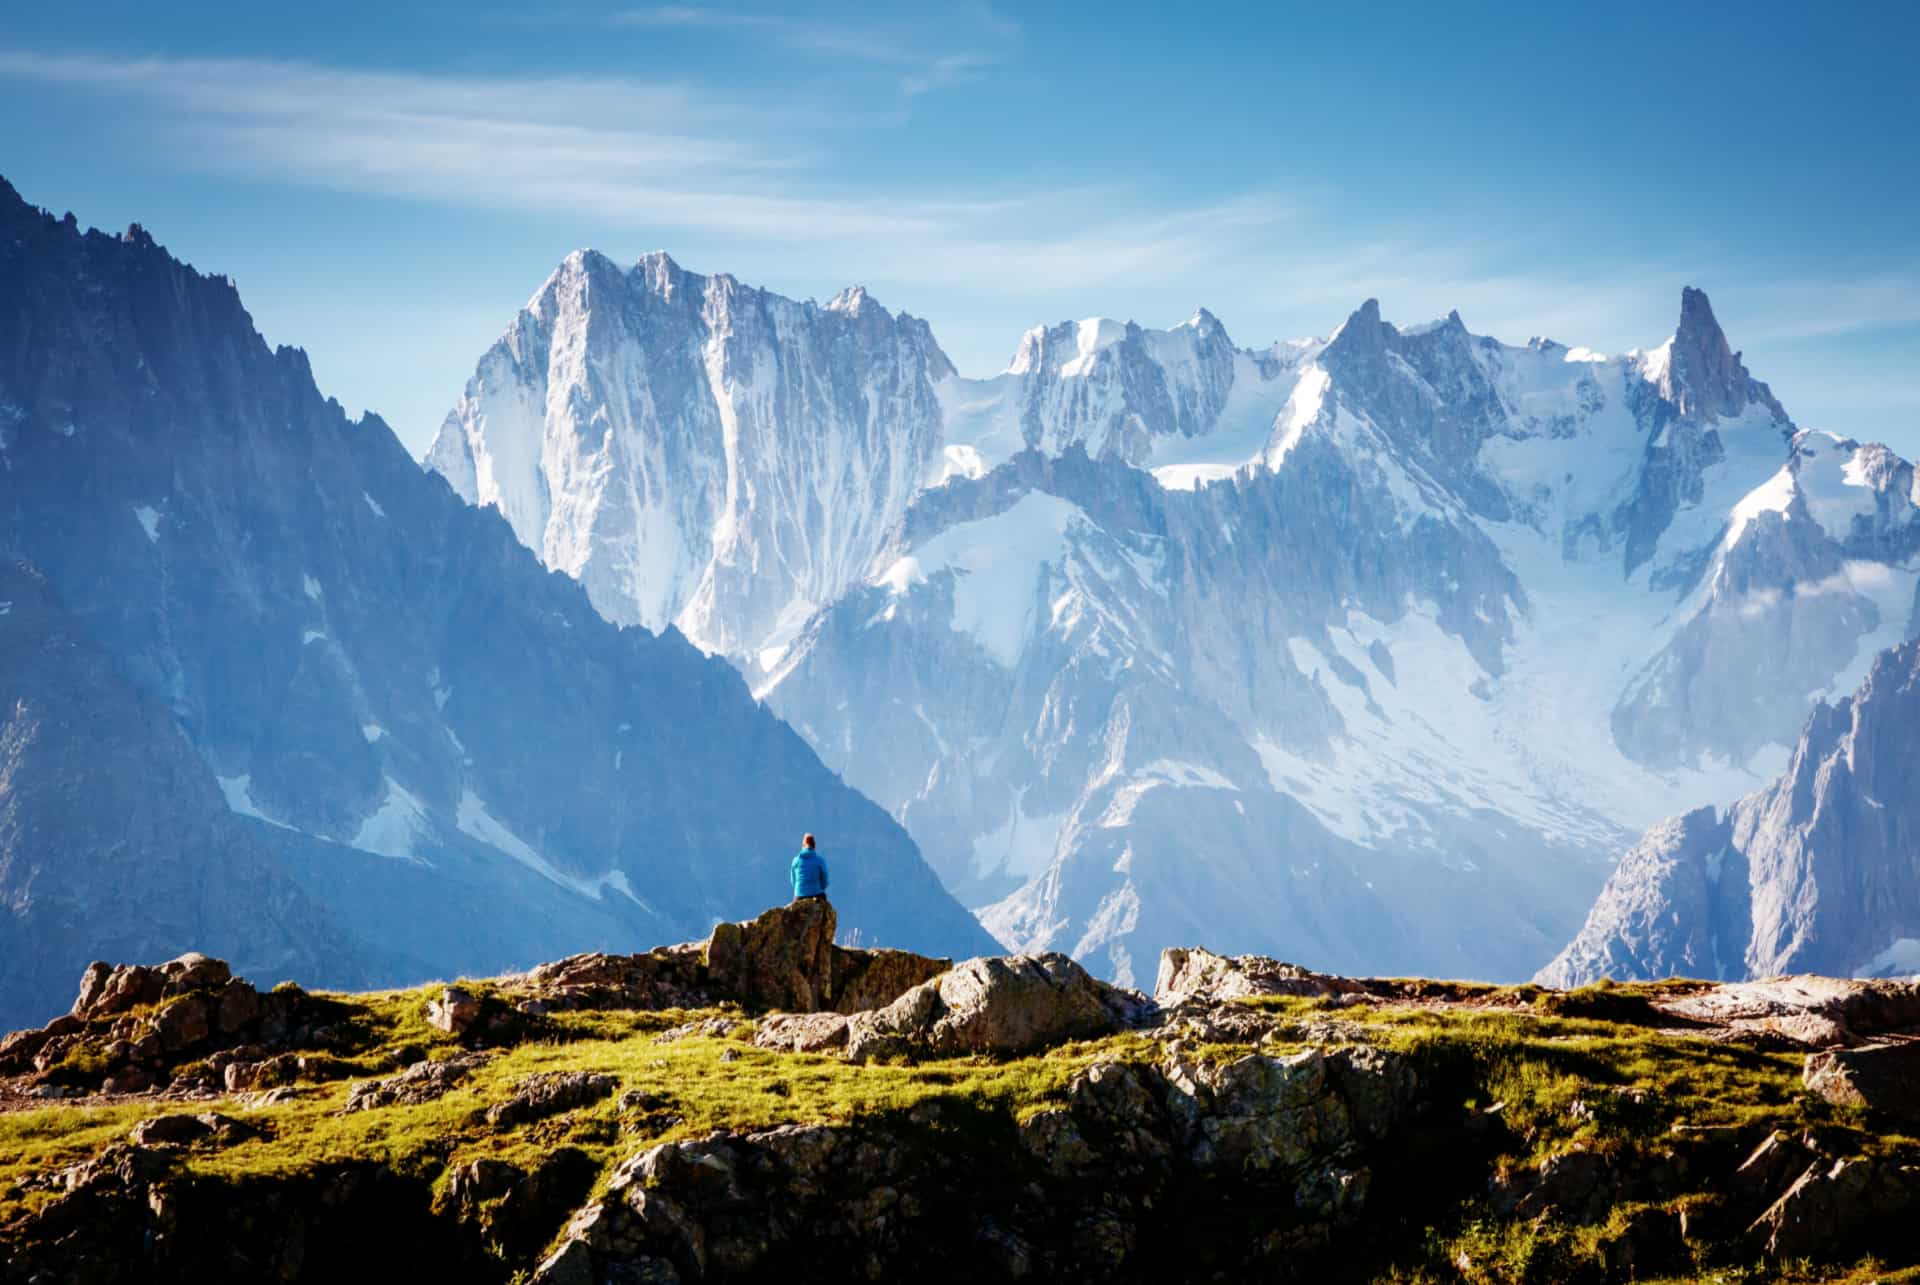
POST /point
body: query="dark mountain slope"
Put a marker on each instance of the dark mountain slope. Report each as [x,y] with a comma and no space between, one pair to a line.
[361,658]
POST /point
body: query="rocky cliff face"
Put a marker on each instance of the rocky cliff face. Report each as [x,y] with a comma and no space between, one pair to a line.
[697,452]
[370,667]
[1330,646]
[114,837]
[1815,872]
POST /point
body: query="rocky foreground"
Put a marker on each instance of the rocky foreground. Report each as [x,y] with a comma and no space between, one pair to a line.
[766,1105]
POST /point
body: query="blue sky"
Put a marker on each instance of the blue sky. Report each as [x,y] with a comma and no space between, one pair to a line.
[388,184]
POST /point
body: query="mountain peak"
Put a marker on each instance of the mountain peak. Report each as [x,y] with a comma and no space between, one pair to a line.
[851,300]
[1363,333]
[1704,376]
[1698,326]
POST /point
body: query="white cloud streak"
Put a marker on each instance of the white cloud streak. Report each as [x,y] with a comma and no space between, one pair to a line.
[676,161]
[660,157]
[962,44]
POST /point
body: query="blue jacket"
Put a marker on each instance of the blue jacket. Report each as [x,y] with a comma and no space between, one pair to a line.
[809,874]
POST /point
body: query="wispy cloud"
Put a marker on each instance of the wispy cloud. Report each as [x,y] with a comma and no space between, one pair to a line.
[674,162]
[950,47]
[745,169]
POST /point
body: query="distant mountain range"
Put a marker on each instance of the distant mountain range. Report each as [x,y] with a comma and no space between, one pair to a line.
[1373,651]
[274,692]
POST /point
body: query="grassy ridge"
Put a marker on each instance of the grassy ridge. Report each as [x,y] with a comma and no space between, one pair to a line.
[1541,1074]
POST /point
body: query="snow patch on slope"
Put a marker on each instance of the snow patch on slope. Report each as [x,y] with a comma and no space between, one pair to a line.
[476,822]
[392,828]
[995,562]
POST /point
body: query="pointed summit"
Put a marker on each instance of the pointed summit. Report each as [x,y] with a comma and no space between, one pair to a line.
[1696,315]
[1704,377]
[850,301]
[1363,335]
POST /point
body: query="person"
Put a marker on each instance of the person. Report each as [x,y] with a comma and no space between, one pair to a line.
[809,873]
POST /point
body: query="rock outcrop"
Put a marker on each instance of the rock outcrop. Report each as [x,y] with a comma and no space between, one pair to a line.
[1086,1192]
[1882,1078]
[783,959]
[1810,1011]
[133,1025]
[1195,974]
[1012,1004]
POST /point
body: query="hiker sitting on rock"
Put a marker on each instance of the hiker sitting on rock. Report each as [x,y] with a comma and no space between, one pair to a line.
[809,873]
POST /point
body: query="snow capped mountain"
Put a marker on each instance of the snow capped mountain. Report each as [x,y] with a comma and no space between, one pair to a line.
[1816,872]
[1811,579]
[694,451]
[1374,650]
[1147,398]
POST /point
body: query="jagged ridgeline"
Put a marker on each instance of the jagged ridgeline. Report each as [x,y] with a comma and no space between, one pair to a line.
[768,1106]
[271,691]
[1377,650]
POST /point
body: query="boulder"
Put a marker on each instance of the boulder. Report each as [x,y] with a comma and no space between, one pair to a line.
[712,1028]
[1828,1209]
[453,1011]
[184,1130]
[194,971]
[1884,1078]
[667,977]
[170,1130]
[1196,975]
[802,1032]
[783,959]
[571,1264]
[239,1008]
[518,1209]
[1813,1012]
[869,979]
[1258,1113]
[182,1024]
[120,1165]
[1772,1167]
[549,1093]
[994,1004]
[106,990]
[421,1082]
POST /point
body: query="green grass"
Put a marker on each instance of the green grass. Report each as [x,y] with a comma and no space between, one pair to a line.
[755,1089]
[1591,1069]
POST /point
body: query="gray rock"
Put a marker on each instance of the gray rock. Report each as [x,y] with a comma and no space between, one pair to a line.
[782,959]
[1882,1078]
[422,1082]
[1193,974]
[802,1032]
[571,1264]
[549,1093]
[454,1010]
[1828,1206]
[169,1130]
[994,1004]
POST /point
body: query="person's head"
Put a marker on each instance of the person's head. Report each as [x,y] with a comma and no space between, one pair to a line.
[807,842]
